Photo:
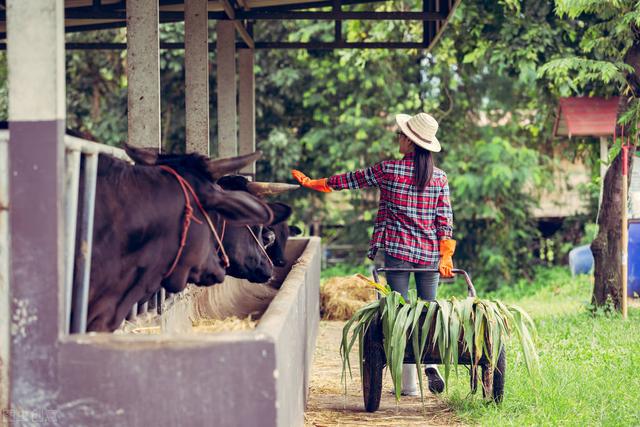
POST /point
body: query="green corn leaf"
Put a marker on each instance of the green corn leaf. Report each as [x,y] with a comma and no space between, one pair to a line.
[426,326]
[491,325]
[398,343]
[467,319]
[417,311]
[454,334]
[478,337]
[415,344]
[443,339]
[412,296]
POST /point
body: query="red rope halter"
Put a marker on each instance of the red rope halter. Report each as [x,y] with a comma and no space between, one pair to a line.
[188,216]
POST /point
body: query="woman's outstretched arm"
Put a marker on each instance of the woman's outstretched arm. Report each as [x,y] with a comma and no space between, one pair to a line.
[363,178]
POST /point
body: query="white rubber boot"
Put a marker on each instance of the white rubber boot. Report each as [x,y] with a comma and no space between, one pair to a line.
[410,380]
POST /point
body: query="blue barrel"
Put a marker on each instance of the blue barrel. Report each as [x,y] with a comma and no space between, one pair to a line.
[633,257]
[581,260]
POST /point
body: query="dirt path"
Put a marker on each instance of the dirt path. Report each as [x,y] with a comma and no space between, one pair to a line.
[328,406]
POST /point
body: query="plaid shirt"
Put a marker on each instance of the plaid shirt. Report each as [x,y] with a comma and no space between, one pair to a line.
[410,223]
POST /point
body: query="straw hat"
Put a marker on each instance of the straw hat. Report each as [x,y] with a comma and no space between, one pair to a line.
[421,129]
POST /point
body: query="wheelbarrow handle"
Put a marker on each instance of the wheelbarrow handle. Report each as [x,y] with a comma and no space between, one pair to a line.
[471,289]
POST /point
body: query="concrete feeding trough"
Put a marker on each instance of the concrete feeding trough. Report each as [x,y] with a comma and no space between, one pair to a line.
[256,377]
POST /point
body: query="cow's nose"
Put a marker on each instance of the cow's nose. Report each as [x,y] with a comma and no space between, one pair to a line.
[218,275]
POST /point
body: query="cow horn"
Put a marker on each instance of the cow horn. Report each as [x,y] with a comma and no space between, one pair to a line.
[221,167]
[269,188]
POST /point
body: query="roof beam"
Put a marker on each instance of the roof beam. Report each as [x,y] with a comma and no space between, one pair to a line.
[339,45]
[314,5]
[258,45]
[242,31]
[339,16]
[269,15]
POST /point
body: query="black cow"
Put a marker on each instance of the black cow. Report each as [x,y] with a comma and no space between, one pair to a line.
[138,229]
[274,236]
[281,232]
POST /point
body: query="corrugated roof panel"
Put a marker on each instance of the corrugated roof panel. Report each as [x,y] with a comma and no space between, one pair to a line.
[584,116]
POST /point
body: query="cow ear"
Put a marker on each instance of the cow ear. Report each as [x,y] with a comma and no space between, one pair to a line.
[281,212]
[294,231]
[142,155]
[221,167]
[233,182]
[238,207]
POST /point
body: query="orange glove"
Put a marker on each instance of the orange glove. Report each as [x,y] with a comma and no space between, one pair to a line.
[447,247]
[314,184]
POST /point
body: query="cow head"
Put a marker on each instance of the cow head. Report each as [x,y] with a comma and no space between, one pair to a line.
[245,244]
[200,262]
[280,231]
[254,251]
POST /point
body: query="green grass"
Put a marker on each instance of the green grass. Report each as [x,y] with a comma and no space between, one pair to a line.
[590,364]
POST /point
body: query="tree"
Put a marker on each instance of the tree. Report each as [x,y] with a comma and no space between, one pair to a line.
[331,111]
[609,61]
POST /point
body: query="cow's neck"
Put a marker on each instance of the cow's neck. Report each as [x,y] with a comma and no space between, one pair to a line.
[137,208]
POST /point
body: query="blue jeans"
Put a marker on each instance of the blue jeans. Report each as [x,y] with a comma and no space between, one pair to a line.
[426,282]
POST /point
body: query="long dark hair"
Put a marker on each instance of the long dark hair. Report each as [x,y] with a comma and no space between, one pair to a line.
[422,167]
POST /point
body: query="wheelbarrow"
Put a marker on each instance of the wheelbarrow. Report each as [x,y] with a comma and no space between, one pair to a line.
[374,359]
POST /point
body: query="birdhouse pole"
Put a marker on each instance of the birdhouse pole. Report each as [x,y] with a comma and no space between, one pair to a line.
[625,235]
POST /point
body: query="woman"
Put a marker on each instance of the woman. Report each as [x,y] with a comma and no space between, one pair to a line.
[414,224]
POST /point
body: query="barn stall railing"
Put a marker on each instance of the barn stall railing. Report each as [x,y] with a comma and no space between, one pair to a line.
[82,156]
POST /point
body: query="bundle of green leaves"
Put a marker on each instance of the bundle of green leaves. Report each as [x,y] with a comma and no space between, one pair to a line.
[482,327]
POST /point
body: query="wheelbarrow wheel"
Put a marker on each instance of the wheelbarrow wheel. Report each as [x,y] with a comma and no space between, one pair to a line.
[498,377]
[372,367]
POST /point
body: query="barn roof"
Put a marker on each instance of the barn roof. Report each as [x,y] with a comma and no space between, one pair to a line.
[87,15]
[586,116]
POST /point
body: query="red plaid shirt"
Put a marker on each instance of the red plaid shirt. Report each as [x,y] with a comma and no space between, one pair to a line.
[410,223]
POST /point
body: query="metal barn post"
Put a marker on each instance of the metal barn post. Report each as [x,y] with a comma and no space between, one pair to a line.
[36,160]
[143,73]
[80,302]
[72,184]
[196,63]
[247,107]
[226,82]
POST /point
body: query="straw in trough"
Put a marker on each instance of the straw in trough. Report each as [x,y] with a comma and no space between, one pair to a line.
[341,297]
[202,325]
[225,325]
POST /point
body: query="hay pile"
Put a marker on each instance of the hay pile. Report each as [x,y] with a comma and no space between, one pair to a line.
[341,297]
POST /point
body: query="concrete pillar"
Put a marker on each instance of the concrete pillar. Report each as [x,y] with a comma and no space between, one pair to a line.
[226,82]
[247,107]
[196,61]
[36,164]
[143,73]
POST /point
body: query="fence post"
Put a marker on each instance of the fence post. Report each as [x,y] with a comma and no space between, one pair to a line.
[36,157]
